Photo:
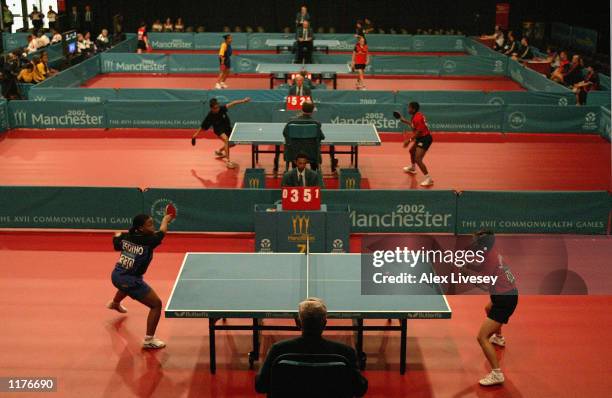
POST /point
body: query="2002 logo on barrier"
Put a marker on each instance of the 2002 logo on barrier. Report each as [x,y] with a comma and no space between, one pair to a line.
[245,64]
[496,101]
[517,120]
[449,66]
[158,209]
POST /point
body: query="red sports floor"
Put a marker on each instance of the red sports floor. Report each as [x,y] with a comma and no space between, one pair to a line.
[345,82]
[156,158]
[53,287]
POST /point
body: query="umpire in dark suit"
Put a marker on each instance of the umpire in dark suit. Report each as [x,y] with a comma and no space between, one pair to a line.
[304,43]
[300,176]
[312,321]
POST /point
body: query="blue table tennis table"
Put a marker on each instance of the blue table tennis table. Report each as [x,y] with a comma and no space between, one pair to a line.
[265,285]
[323,71]
[351,135]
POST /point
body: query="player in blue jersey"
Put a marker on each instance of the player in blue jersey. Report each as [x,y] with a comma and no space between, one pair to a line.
[136,247]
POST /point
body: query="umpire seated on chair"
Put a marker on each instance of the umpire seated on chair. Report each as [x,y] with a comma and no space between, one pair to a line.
[299,87]
[310,146]
[312,320]
[300,176]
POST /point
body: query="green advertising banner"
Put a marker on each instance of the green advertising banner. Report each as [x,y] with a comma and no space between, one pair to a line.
[69,207]
[457,117]
[4,120]
[533,212]
[74,76]
[542,118]
[489,98]
[397,64]
[193,63]
[56,114]
[225,96]
[532,80]
[134,63]
[213,40]
[604,123]
[155,114]
[38,93]
[397,211]
[172,41]
[363,97]
[442,43]
[224,210]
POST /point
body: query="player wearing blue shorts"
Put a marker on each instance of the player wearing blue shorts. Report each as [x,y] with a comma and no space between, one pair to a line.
[136,247]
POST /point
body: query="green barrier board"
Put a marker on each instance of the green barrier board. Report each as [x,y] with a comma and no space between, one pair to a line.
[154,114]
[56,114]
[133,63]
[533,212]
[570,119]
[69,207]
[604,123]
[4,120]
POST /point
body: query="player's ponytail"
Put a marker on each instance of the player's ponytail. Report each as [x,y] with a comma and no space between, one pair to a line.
[138,222]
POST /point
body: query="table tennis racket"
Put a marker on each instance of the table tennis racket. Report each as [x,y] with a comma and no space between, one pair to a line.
[397,115]
[171,211]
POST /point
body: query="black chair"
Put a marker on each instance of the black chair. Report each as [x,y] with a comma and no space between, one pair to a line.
[312,376]
[302,137]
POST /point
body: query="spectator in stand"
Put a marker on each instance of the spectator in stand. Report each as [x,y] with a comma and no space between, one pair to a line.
[52,18]
[26,75]
[368,26]
[32,44]
[56,37]
[561,66]
[84,46]
[7,18]
[157,26]
[498,38]
[38,74]
[574,72]
[42,40]
[46,69]
[552,56]
[511,46]
[88,19]
[103,41]
[37,18]
[168,26]
[525,52]
[89,43]
[10,70]
[588,84]
[302,17]
[179,26]
[74,20]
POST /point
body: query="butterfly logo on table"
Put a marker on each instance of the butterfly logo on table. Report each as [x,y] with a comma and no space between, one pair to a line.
[158,209]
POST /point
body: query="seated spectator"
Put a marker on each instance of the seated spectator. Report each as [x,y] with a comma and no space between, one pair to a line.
[299,88]
[498,38]
[510,47]
[368,26]
[46,69]
[226,29]
[38,72]
[103,41]
[42,40]
[574,72]
[89,43]
[561,68]
[83,46]
[157,26]
[179,26]
[168,26]
[552,56]
[32,44]
[56,37]
[525,52]
[200,29]
[10,70]
[26,75]
[189,29]
[589,83]
[312,320]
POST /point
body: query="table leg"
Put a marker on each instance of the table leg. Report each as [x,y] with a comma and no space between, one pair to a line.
[332,156]
[253,155]
[211,345]
[356,150]
[361,356]
[254,355]
[335,79]
[276,156]
[403,325]
[271,81]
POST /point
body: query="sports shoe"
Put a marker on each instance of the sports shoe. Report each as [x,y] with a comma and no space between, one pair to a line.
[492,379]
[230,165]
[223,85]
[427,182]
[218,86]
[410,170]
[497,340]
[111,305]
[153,343]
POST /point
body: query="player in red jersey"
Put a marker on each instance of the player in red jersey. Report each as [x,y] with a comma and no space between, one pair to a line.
[423,140]
[360,60]
[143,40]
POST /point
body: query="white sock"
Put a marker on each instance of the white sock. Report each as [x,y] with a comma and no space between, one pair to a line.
[498,370]
[147,337]
[427,176]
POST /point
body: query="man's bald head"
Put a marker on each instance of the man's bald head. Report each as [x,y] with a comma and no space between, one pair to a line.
[313,316]
[299,80]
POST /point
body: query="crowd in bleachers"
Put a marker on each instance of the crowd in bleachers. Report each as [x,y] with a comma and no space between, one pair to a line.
[571,72]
